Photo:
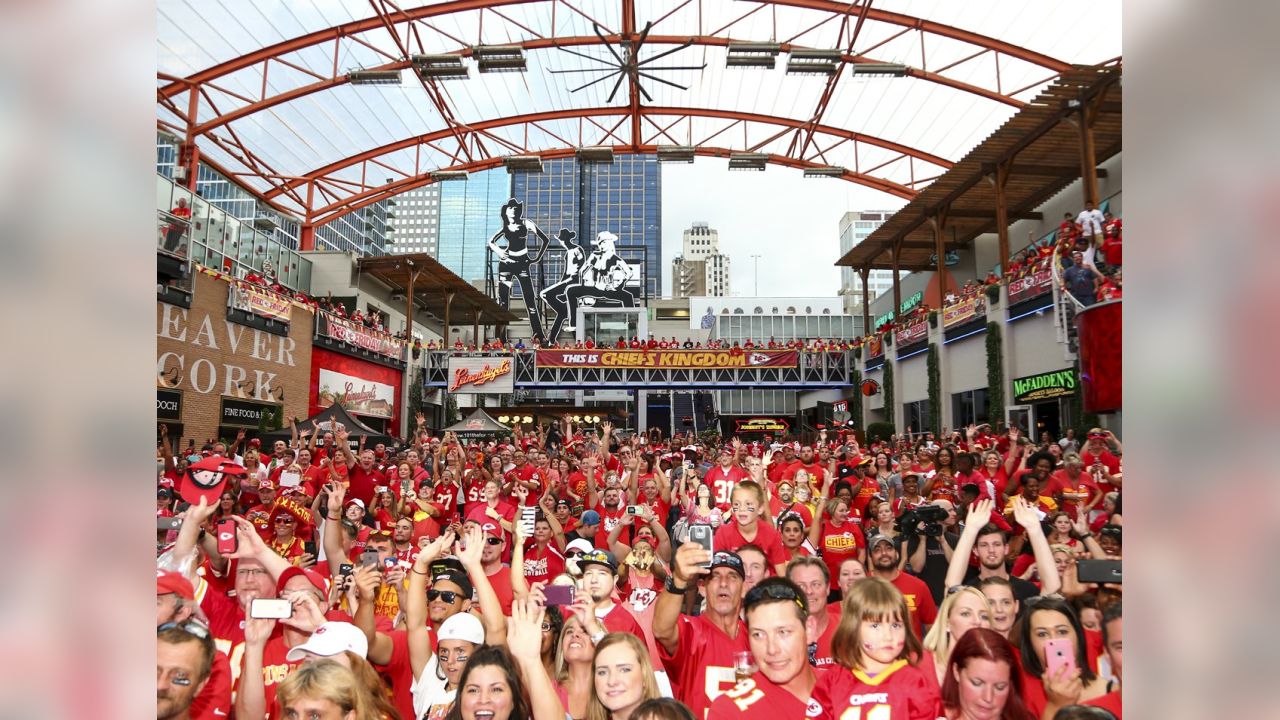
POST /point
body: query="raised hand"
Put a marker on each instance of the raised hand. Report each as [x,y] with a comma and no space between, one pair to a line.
[1025,515]
[337,494]
[307,615]
[688,561]
[980,514]
[468,549]
[366,579]
[248,542]
[257,631]
[524,628]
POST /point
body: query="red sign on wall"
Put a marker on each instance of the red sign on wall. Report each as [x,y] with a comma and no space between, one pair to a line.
[358,370]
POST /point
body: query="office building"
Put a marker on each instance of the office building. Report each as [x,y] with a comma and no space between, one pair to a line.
[415,222]
[623,197]
[700,268]
[854,228]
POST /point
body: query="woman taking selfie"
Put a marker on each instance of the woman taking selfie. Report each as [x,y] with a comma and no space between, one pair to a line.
[982,680]
[509,683]
[1055,666]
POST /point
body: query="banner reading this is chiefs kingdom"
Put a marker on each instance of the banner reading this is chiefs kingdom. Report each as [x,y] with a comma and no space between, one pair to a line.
[667,359]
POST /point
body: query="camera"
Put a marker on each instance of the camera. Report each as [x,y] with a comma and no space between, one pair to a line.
[930,516]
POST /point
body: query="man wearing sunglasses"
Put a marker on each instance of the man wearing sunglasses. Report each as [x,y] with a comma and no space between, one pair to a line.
[184,661]
[779,630]
[203,694]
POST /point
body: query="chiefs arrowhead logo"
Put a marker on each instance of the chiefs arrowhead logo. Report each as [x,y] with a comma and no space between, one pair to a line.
[757,359]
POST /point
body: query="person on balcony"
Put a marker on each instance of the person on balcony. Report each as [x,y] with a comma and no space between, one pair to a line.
[1081,280]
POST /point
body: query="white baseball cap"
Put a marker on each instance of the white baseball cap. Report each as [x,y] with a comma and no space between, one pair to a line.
[580,544]
[463,626]
[330,639]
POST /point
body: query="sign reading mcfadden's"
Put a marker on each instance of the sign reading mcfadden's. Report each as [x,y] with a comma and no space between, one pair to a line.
[481,375]
[666,359]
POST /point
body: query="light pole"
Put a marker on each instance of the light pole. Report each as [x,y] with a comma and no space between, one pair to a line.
[755,261]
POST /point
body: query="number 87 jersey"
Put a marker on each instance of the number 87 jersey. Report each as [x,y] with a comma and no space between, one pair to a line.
[900,692]
[759,698]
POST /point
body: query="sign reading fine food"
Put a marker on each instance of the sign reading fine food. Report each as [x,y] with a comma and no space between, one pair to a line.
[667,359]
[481,375]
[1045,386]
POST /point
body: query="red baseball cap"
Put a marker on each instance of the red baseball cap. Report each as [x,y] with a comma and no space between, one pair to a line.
[312,577]
[205,478]
[172,582]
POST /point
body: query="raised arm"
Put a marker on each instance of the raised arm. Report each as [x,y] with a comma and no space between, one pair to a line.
[333,545]
[495,625]
[666,611]
[1025,515]
[166,449]
[415,604]
[548,505]
[525,644]
[978,518]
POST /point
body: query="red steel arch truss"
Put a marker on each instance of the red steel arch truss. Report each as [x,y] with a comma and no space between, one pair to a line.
[202,110]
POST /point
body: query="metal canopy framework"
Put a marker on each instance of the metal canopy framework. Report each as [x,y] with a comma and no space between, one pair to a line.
[265,95]
[1060,137]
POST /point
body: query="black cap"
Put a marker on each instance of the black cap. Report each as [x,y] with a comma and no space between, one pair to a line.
[729,560]
[600,557]
[457,578]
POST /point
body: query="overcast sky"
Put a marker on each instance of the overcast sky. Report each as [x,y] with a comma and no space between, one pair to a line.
[791,222]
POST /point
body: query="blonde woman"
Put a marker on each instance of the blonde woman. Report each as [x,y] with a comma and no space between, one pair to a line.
[960,612]
[324,689]
[624,677]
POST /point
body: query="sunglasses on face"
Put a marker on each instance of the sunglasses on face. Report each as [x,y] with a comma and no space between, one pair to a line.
[285,521]
[493,540]
[449,596]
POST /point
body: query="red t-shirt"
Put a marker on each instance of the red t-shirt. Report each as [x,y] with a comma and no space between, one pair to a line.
[1059,482]
[609,519]
[919,601]
[723,482]
[398,673]
[701,668]
[1109,702]
[823,656]
[840,543]
[214,701]
[501,582]
[275,668]
[863,491]
[729,537]
[619,620]
[1106,458]
[758,698]
[777,510]
[900,692]
[362,482]
[541,563]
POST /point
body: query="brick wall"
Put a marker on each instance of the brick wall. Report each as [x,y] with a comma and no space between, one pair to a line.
[207,357]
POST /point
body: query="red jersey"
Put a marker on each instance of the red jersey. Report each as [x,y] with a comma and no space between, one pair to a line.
[657,506]
[475,489]
[723,482]
[446,496]
[1106,458]
[701,668]
[576,484]
[214,701]
[900,692]
[924,611]
[863,491]
[758,697]
[840,543]
[541,563]
[729,537]
[501,582]
[617,619]
[1060,482]
[777,510]
[609,519]
[275,668]
[822,658]
[1109,702]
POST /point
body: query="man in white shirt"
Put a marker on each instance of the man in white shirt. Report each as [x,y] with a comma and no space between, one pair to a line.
[1090,221]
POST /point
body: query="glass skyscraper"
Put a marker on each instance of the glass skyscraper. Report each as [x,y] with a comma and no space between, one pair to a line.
[469,216]
[623,197]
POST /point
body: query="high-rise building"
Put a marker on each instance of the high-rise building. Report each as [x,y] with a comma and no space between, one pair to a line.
[854,228]
[623,197]
[700,268]
[363,231]
[469,216]
[416,220]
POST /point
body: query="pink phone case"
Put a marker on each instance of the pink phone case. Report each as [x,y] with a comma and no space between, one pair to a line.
[1057,654]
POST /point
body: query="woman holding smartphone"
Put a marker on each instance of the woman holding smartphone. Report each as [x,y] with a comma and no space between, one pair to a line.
[1055,666]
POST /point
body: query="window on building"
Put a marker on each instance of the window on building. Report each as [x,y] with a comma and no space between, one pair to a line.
[916,415]
[969,407]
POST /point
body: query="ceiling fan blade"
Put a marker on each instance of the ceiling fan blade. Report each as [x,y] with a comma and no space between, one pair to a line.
[607,44]
[621,76]
[611,68]
[643,92]
[655,78]
[664,53]
[676,67]
[584,55]
[597,80]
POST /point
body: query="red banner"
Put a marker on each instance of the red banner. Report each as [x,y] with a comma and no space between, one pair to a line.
[362,386]
[912,333]
[356,334]
[963,311]
[259,301]
[875,346]
[667,359]
[1037,283]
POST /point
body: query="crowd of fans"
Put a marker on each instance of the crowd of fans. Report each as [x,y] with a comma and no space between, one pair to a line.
[567,571]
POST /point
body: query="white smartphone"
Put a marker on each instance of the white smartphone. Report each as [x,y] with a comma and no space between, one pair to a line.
[527,516]
[270,608]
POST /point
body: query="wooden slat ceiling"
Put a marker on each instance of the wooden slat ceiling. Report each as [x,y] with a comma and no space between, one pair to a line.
[1045,151]
[433,283]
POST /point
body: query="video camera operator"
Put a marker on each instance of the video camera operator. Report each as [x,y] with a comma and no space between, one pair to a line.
[930,541]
